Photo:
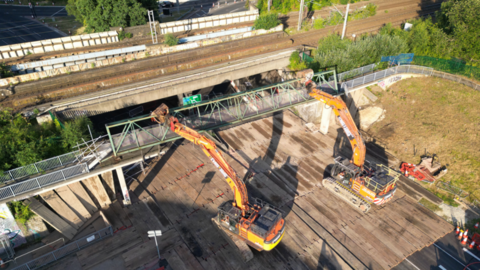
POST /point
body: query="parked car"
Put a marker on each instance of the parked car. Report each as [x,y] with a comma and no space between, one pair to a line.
[166,4]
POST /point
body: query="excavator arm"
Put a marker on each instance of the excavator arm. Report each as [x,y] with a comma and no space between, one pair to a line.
[160,115]
[340,109]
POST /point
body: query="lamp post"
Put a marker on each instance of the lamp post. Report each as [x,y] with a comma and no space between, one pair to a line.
[154,234]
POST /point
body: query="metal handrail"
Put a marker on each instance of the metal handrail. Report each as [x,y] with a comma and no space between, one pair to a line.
[66,250]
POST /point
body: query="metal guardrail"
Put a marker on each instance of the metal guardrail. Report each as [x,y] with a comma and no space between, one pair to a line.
[42,181]
[39,167]
[385,73]
[66,250]
[355,72]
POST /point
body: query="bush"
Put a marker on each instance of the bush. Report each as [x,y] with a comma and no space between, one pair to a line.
[170,40]
[21,212]
[267,21]
[75,131]
[319,23]
[122,35]
[296,62]
[347,55]
[5,71]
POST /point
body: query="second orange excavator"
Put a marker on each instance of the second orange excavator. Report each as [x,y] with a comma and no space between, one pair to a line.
[260,225]
[375,184]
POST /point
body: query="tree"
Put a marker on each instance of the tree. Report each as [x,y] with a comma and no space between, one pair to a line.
[75,132]
[461,19]
[100,15]
[267,21]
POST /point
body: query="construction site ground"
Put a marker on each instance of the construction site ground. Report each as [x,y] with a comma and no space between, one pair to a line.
[437,116]
[181,190]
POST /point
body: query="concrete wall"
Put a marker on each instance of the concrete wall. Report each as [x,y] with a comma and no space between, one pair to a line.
[57,44]
[180,86]
[207,22]
[151,51]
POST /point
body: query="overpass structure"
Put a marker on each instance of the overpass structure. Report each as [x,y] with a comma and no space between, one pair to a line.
[138,135]
[167,86]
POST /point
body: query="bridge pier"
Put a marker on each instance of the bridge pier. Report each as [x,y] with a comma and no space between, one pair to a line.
[123,187]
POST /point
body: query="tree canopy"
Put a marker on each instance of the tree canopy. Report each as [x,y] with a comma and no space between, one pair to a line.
[100,15]
[24,142]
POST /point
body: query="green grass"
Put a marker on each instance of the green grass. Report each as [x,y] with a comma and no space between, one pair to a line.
[428,204]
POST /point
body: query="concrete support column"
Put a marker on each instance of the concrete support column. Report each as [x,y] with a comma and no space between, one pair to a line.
[123,187]
[180,99]
[325,122]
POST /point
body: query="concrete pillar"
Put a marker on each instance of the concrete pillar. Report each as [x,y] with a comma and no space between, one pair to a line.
[180,99]
[123,187]
[325,122]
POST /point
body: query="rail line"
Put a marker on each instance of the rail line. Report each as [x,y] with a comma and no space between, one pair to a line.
[282,40]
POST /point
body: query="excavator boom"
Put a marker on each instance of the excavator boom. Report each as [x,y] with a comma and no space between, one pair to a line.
[340,109]
[261,226]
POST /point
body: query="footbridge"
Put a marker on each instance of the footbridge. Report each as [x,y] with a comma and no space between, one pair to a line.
[137,137]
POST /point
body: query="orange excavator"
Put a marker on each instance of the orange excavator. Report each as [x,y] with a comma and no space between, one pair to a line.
[375,184]
[260,225]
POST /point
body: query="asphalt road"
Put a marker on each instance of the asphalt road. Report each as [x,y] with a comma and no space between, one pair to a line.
[17,27]
[446,254]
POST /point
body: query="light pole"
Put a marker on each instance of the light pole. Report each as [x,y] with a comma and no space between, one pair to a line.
[154,234]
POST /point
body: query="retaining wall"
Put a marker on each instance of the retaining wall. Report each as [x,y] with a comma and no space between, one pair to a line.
[57,44]
[207,22]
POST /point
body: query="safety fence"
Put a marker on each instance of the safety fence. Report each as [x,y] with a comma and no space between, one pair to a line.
[386,73]
[42,181]
[355,72]
[39,167]
[449,66]
[67,249]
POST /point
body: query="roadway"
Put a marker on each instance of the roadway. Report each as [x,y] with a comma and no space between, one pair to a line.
[18,27]
[446,254]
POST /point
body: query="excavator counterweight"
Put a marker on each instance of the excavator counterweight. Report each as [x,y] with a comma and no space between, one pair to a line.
[260,225]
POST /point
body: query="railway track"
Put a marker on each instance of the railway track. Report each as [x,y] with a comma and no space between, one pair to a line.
[282,41]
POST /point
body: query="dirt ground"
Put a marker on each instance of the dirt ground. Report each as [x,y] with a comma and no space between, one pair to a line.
[438,116]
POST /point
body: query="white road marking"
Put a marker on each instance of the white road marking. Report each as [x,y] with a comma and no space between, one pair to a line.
[471,254]
[32,31]
[235,10]
[16,35]
[57,12]
[412,264]
[441,267]
[451,256]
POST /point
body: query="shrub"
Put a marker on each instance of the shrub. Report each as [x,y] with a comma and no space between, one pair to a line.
[170,40]
[122,35]
[267,21]
[21,212]
[5,71]
[319,23]
[347,55]
[296,62]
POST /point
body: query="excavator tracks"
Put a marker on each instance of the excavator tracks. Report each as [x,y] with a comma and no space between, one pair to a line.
[346,194]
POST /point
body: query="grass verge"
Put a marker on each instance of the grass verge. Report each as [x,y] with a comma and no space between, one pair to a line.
[437,116]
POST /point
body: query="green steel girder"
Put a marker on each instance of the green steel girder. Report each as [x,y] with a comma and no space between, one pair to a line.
[268,96]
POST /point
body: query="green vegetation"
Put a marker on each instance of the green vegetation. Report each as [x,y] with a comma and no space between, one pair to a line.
[25,142]
[347,55]
[296,62]
[454,36]
[267,21]
[21,212]
[336,18]
[5,71]
[122,35]
[428,204]
[285,6]
[100,15]
[170,40]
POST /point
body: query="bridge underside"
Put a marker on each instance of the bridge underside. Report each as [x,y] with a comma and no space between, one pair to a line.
[186,82]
